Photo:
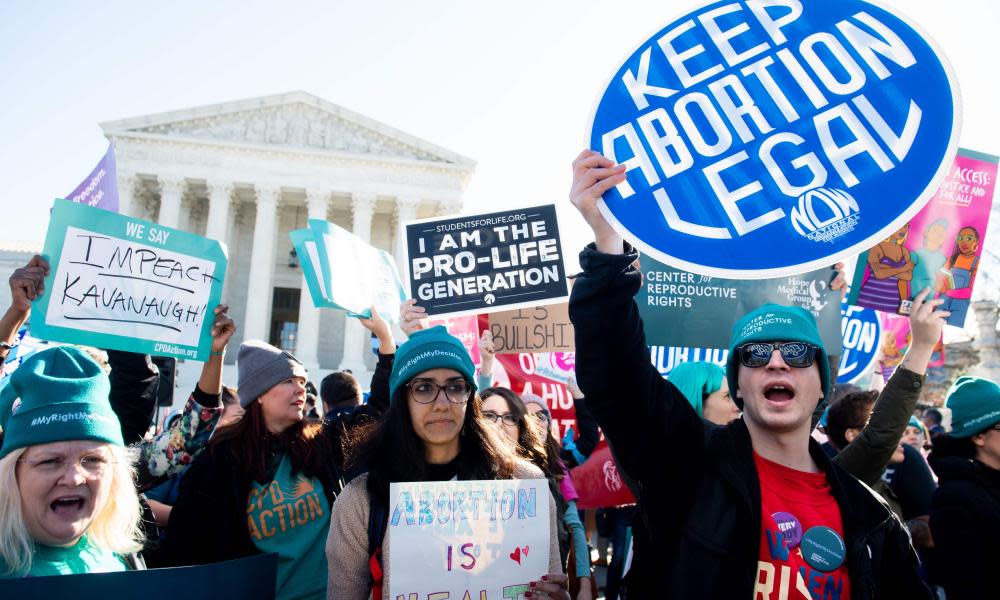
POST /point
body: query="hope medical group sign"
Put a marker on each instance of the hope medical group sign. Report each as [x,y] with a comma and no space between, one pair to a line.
[772,137]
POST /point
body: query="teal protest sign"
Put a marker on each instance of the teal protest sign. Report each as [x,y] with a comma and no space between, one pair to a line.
[305,248]
[697,311]
[343,271]
[127,284]
[250,578]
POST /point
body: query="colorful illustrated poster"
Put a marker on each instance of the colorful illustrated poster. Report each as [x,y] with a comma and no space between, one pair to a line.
[128,284]
[896,340]
[467,539]
[940,248]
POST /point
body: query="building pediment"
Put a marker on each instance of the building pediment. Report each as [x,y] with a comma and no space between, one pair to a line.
[293,120]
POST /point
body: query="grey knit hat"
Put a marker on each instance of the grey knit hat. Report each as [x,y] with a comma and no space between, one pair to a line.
[261,366]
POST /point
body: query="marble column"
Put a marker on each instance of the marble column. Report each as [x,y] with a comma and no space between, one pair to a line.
[127,184]
[355,335]
[220,198]
[259,292]
[307,345]
[171,192]
[406,210]
[988,340]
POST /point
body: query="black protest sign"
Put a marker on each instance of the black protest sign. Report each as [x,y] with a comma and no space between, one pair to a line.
[479,263]
[250,578]
[697,311]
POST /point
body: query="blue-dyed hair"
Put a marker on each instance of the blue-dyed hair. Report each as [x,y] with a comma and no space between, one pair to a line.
[697,380]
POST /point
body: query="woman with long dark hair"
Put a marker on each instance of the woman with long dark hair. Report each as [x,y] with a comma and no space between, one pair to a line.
[267,482]
[527,428]
[433,431]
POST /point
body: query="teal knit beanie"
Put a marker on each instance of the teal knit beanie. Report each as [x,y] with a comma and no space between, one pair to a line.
[974,404]
[776,323]
[427,349]
[57,395]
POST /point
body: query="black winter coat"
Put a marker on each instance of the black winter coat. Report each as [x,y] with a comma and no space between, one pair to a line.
[698,526]
[209,523]
[965,525]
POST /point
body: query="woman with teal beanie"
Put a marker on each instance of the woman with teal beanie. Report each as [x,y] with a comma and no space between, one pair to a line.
[67,499]
[965,511]
[705,387]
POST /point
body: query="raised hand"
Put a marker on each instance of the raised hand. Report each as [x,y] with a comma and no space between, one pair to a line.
[380,327]
[412,317]
[926,325]
[28,283]
[593,174]
[223,328]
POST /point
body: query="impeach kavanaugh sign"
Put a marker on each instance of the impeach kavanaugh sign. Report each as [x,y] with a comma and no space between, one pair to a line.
[477,263]
[766,138]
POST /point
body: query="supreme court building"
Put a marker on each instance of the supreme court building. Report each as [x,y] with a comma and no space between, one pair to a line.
[248,172]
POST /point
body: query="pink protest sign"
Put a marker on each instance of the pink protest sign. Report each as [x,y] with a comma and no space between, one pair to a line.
[896,340]
[940,248]
[465,328]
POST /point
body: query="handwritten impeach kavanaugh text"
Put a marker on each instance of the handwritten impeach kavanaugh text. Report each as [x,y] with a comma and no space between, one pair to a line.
[105,283]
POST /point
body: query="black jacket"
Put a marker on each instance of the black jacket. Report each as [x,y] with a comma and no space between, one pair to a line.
[965,525]
[209,523]
[698,529]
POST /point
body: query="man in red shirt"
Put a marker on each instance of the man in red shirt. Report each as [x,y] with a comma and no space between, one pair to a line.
[751,509]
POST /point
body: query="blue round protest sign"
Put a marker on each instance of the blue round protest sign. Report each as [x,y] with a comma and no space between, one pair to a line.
[862,334]
[769,138]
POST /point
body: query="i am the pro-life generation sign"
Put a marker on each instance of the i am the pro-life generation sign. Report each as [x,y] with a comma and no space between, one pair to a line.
[128,284]
[479,263]
[767,138]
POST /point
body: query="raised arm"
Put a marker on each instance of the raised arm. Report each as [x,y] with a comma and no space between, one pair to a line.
[378,399]
[868,454]
[26,284]
[644,417]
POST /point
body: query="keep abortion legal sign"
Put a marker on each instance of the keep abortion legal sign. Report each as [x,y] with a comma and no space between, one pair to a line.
[767,138]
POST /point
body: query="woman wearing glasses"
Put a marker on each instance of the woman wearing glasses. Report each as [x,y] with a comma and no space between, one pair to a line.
[527,425]
[67,499]
[431,432]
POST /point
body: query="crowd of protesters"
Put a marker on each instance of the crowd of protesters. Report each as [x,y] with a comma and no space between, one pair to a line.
[736,494]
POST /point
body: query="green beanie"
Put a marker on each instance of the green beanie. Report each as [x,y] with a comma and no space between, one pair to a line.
[427,349]
[974,404]
[775,323]
[57,395]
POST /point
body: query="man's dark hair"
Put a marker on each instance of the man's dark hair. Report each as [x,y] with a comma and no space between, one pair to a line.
[339,389]
[850,411]
[933,415]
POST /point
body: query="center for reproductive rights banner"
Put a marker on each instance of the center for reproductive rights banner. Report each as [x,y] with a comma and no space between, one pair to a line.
[767,138]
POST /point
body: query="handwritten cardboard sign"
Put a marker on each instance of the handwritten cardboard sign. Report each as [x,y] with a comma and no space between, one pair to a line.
[477,263]
[467,539]
[534,329]
[128,284]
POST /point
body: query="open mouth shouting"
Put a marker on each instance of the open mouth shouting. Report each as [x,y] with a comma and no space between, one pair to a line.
[779,393]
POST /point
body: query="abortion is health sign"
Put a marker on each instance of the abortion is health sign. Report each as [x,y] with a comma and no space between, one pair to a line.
[772,137]
[467,539]
[126,284]
[862,331]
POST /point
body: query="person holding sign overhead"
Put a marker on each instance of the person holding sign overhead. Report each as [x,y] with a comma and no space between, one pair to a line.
[751,509]
[431,432]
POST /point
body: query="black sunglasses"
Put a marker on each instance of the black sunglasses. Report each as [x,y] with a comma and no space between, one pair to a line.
[795,354]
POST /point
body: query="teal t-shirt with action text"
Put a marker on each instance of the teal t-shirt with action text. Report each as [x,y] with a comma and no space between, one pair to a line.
[290,516]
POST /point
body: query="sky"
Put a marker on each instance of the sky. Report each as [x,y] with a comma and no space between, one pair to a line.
[511,85]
